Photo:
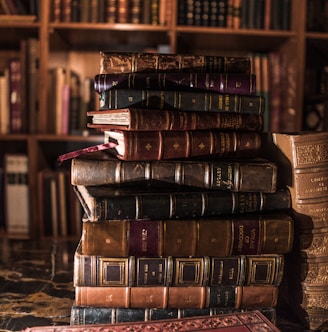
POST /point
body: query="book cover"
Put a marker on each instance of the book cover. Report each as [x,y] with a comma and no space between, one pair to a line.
[100,168]
[154,119]
[145,201]
[218,82]
[206,101]
[237,321]
[177,297]
[132,271]
[225,236]
[16,194]
[127,62]
[81,315]
[164,145]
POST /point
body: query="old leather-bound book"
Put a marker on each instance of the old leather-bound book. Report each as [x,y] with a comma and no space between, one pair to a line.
[252,320]
[100,168]
[256,270]
[166,202]
[225,236]
[127,62]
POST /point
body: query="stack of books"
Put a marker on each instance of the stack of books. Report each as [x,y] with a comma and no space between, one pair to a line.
[182,217]
[302,159]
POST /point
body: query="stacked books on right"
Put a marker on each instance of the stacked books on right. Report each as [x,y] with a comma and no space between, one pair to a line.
[182,217]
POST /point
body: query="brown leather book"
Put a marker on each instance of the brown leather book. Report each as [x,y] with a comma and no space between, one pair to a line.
[256,270]
[303,161]
[100,168]
[141,201]
[127,62]
[252,320]
[150,119]
[177,297]
[240,235]
[162,145]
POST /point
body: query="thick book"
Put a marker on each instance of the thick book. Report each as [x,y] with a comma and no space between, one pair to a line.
[132,271]
[226,236]
[165,144]
[152,119]
[252,320]
[16,195]
[218,82]
[100,168]
[162,202]
[82,315]
[177,297]
[205,101]
[303,163]
[131,62]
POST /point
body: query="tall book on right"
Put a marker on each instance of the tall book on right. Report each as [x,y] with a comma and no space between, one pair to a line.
[302,160]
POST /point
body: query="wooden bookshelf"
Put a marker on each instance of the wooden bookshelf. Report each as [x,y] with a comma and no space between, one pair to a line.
[76,45]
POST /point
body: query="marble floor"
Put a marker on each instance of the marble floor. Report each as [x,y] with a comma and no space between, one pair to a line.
[35,283]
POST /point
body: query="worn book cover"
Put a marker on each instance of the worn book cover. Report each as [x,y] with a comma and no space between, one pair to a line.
[233,322]
[243,235]
[100,168]
[165,201]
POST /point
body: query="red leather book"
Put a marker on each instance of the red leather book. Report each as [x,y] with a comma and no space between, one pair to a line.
[232,322]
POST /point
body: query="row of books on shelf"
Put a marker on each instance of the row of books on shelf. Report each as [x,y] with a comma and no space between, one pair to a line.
[19,10]
[317,15]
[235,14]
[155,12]
[19,90]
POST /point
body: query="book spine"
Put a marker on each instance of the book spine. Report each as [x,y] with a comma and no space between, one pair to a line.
[15,92]
[145,120]
[181,100]
[241,320]
[247,177]
[164,145]
[81,315]
[189,237]
[184,205]
[177,271]
[218,82]
[127,62]
[177,297]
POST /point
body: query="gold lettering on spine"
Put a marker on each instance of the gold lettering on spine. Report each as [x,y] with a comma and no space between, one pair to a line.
[144,240]
[241,235]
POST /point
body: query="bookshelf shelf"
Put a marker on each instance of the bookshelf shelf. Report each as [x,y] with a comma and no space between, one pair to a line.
[75,46]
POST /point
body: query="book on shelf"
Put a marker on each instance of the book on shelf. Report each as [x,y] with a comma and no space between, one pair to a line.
[16,194]
[163,145]
[177,297]
[217,82]
[151,119]
[205,101]
[82,315]
[222,236]
[133,271]
[60,211]
[236,321]
[131,62]
[100,168]
[143,201]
